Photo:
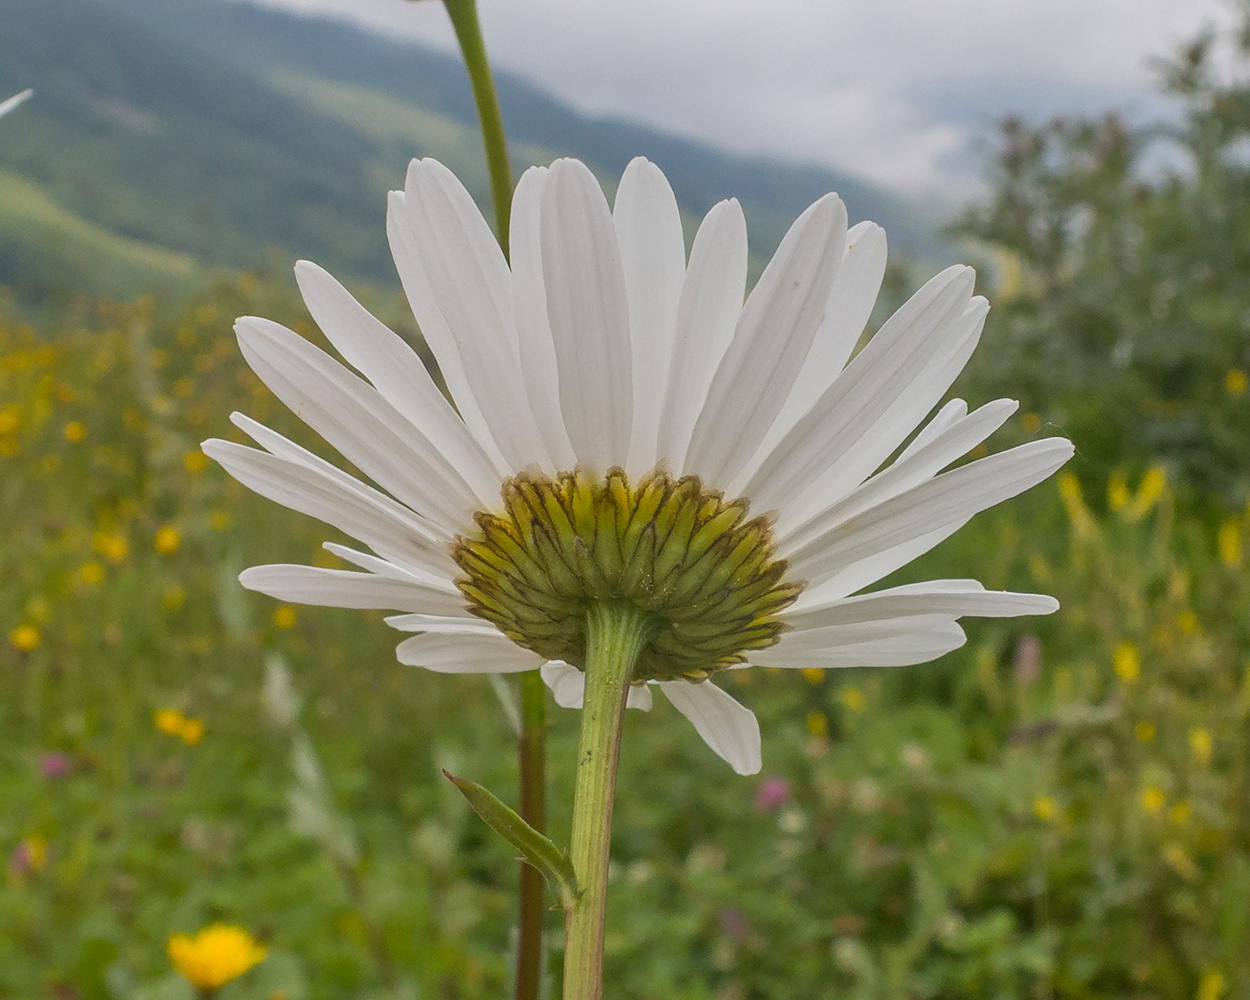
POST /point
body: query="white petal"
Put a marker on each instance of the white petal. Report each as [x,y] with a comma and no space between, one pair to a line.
[955,409]
[529,298]
[466,654]
[849,411]
[866,571]
[471,287]
[903,412]
[394,532]
[382,567]
[953,598]
[909,471]
[401,232]
[12,102]
[639,697]
[588,309]
[653,257]
[950,498]
[770,344]
[708,311]
[847,312]
[353,417]
[568,687]
[462,624]
[903,648]
[340,588]
[386,360]
[567,683]
[858,630]
[729,728]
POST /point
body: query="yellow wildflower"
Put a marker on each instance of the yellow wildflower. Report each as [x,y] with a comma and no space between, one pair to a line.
[1212,985]
[817,725]
[8,420]
[215,956]
[1144,731]
[1179,813]
[1187,622]
[1074,504]
[853,699]
[172,722]
[90,574]
[192,731]
[195,461]
[167,540]
[114,548]
[812,675]
[1235,382]
[1127,662]
[1152,800]
[220,520]
[75,431]
[25,637]
[1202,745]
[1118,495]
[174,597]
[1149,490]
[168,721]
[1179,861]
[1228,543]
[1031,423]
[1044,808]
[285,617]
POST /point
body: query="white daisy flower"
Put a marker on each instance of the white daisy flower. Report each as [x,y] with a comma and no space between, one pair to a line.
[617,408]
[14,101]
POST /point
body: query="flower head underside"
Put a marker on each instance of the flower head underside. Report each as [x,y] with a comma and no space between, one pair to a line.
[621,415]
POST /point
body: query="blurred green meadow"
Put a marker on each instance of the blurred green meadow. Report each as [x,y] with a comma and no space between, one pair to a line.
[1059,809]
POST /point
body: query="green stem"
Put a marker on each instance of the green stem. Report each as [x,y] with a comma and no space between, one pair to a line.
[615,636]
[533,760]
[463,14]
[532,749]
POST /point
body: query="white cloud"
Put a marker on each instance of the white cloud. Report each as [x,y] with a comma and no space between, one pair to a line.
[840,83]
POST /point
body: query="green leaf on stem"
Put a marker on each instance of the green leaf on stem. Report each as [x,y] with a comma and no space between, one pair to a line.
[537,850]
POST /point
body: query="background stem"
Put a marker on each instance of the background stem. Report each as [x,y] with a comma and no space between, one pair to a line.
[464,20]
[615,636]
[533,761]
[532,747]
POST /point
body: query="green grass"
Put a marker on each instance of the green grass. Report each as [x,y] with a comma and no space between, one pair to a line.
[1016,820]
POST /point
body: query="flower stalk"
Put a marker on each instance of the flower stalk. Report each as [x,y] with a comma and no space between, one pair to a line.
[532,753]
[532,748]
[616,634]
[468,28]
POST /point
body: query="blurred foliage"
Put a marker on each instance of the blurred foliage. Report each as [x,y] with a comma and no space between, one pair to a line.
[1122,301]
[1059,809]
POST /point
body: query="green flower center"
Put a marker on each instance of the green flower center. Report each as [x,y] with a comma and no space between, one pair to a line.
[682,554]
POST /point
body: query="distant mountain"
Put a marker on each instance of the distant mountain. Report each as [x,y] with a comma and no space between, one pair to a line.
[174,135]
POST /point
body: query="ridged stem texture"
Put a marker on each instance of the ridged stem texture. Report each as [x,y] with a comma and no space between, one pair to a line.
[616,633]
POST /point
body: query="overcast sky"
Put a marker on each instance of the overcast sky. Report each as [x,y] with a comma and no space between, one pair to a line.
[892,90]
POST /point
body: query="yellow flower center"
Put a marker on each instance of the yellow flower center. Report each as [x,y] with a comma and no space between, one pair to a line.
[691,560]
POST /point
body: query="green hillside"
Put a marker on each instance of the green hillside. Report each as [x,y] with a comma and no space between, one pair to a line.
[214,134]
[43,244]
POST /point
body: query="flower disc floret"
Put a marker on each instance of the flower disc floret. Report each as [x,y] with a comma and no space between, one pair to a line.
[695,562]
